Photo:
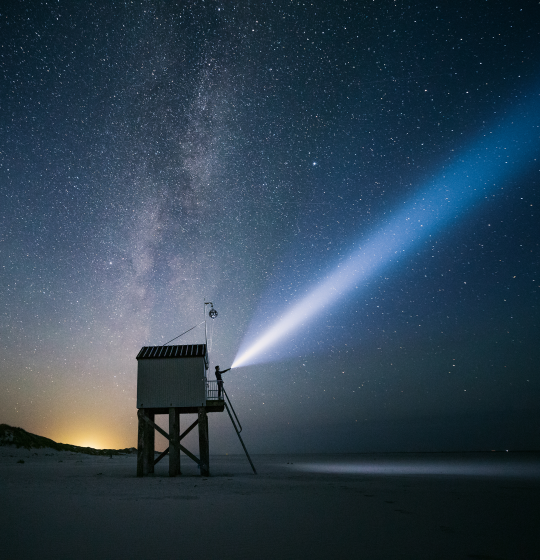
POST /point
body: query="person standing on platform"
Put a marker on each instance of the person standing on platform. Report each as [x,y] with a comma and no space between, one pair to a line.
[220,381]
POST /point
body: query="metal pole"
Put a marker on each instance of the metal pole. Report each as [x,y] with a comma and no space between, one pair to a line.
[205,327]
[241,440]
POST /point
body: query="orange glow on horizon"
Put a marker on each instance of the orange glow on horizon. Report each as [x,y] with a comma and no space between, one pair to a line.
[87,428]
[93,439]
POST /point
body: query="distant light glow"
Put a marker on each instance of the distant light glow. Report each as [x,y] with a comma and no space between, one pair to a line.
[87,443]
[497,155]
[405,467]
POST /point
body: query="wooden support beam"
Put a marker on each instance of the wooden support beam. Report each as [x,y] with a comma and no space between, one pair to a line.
[151,444]
[140,445]
[145,422]
[189,429]
[154,425]
[189,454]
[145,444]
[149,440]
[166,452]
[204,450]
[174,438]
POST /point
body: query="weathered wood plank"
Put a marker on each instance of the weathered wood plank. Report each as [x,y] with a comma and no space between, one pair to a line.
[140,446]
[204,450]
[189,429]
[151,447]
[166,452]
[155,426]
[150,439]
[145,421]
[174,438]
[189,454]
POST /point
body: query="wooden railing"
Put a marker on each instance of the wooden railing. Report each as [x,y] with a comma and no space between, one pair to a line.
[212,391]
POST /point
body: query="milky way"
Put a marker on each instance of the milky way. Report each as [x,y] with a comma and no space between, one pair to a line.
[156,155]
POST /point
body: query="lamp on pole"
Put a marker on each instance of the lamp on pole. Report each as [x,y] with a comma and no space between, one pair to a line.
[212,314]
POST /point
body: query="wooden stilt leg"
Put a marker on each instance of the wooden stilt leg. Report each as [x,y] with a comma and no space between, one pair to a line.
[204,450]
[151,443]
[147,453]
[179,454]
[174,445]
[140,444]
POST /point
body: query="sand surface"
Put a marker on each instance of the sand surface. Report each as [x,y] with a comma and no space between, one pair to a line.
[64,505]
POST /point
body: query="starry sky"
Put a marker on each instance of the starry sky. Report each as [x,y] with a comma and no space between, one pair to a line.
[155,155]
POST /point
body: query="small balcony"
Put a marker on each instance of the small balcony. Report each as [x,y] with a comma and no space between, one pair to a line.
[212,392]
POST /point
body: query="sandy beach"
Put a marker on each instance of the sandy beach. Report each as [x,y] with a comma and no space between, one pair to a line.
[67,505]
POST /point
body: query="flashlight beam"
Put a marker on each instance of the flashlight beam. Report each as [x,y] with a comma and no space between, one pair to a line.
[494,158]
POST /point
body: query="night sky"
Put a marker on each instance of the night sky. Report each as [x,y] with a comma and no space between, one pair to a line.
[157,155]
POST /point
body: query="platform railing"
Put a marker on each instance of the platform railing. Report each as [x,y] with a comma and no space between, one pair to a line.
[212,392]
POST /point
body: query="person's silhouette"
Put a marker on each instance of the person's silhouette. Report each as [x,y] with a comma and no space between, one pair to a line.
[220,381]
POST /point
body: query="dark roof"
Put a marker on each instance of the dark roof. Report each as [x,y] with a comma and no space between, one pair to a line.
[176,351]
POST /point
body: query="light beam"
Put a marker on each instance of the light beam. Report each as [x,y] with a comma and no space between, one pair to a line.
[496,156]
